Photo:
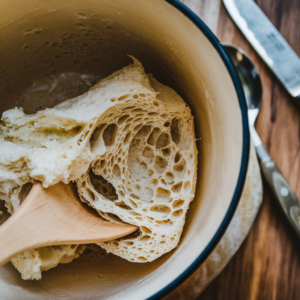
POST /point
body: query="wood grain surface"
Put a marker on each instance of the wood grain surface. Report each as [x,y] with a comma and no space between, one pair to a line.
[267,266]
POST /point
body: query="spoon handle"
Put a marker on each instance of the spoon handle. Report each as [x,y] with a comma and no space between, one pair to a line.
[19,232]
[283,192]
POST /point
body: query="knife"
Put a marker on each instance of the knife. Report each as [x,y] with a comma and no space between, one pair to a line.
[268,42]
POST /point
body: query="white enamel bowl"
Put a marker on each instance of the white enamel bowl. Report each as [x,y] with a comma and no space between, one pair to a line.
[44,37]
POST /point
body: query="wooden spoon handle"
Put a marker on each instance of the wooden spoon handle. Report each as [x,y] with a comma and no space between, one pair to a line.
[18,233]
[54,216]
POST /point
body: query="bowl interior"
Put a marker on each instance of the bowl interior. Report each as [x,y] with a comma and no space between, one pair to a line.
[54,50]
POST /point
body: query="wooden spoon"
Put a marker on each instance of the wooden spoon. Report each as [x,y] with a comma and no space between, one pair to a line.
[54,216]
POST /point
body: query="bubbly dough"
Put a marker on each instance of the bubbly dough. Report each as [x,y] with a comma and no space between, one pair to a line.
[129,143]
[31,263]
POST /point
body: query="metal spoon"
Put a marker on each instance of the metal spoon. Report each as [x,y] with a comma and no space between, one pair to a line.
[251,82]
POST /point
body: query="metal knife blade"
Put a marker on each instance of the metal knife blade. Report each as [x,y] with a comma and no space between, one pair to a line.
[268,42]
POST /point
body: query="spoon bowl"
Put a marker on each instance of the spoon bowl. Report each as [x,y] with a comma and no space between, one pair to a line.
[248,75]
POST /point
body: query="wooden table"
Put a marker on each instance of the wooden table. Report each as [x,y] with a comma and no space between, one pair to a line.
[267,266]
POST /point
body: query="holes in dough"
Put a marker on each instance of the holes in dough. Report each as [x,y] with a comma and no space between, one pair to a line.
[137,186]
[163,140]
[175,132]
[127,137]
[146,230]
[178,203]
[102,163]
[179,168]
[128,243]
[128,122]
[143,132]
[153,136]
[169,177]
[162,209]
[123,119]
[96,135]
[166,223]
[166,152]
[103,187]
[144,238]
[135,213]
[139,156]
[127,108]
[149,173]
[86,134]
[136,110]
[137,120]
[177,187]
[109,134]
[187,186]
[26,188]
[133,203]
[163,181]
[148,153]
[177,213]
[142,259]
[177,157]
[162,195]
[135,196]
[112,161]
[91,195]
[136,128]
[123,205]
[160,164]
[143,156]
[123,97]
[117,172]
[153,182]
[121,193]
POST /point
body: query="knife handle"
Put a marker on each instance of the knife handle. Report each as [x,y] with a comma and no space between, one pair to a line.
[283,192]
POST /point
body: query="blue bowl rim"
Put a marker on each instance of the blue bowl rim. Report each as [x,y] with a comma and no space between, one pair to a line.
[245,151]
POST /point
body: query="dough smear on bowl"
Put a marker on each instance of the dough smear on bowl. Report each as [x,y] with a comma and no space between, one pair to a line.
[129,144]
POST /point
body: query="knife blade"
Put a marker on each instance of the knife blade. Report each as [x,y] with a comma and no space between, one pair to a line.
[268,42]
